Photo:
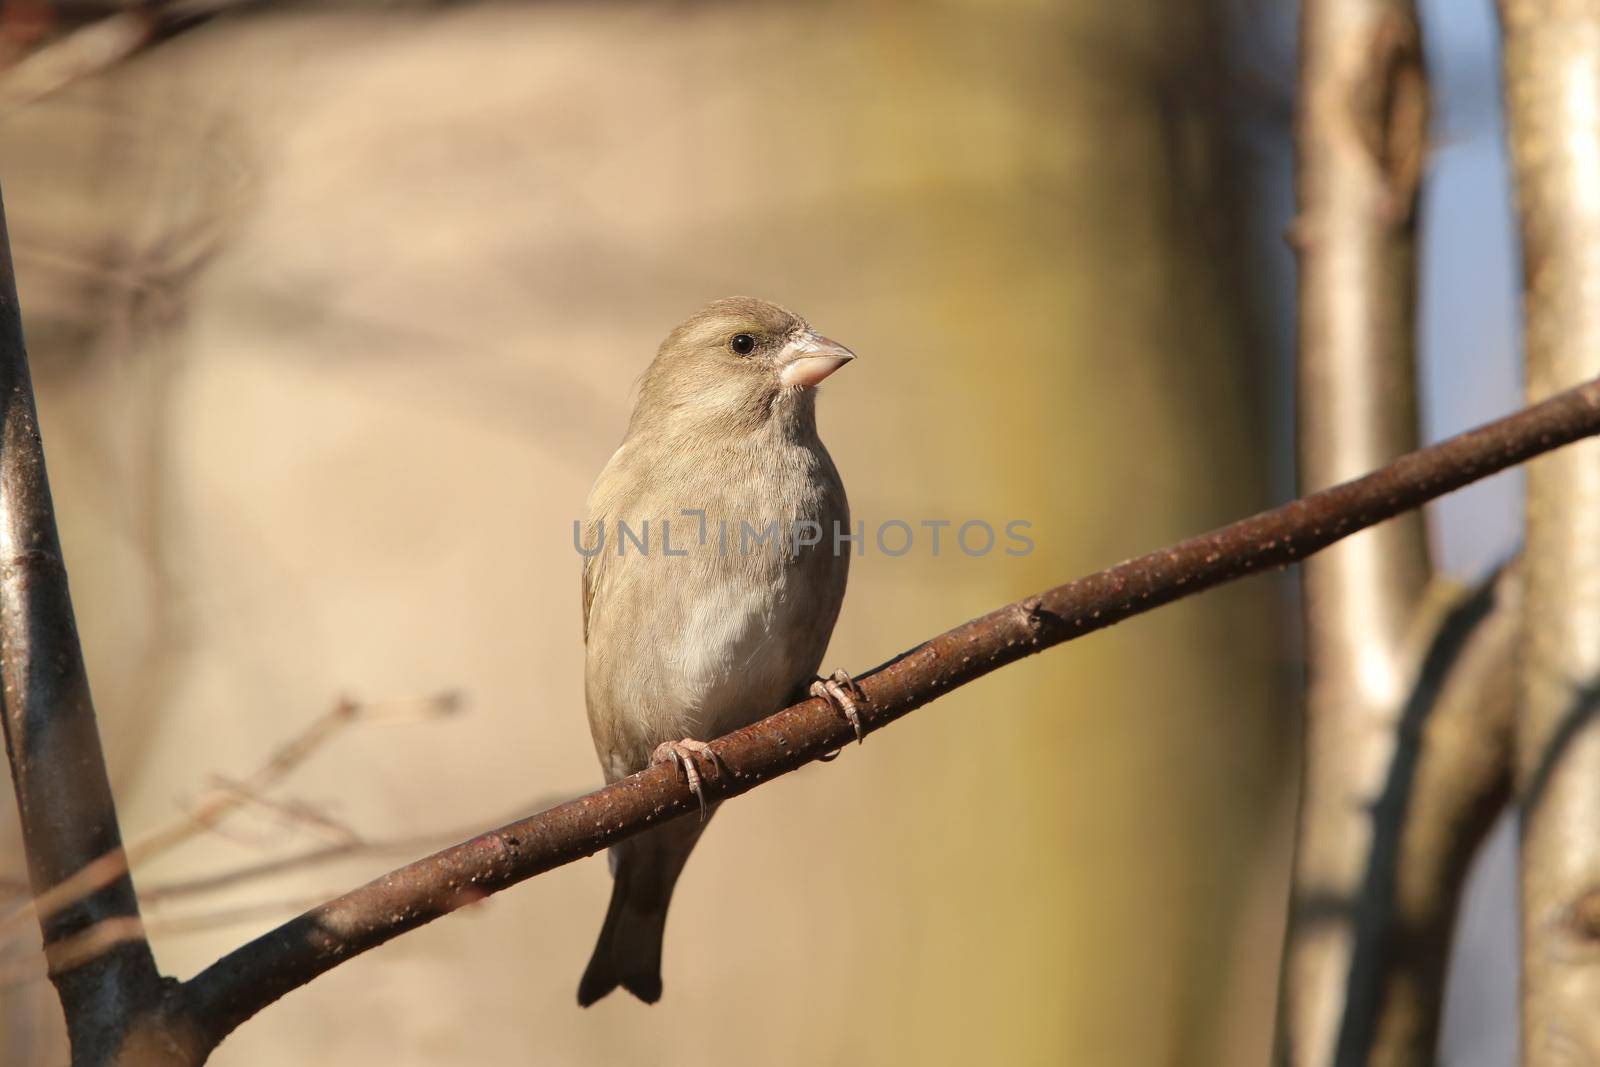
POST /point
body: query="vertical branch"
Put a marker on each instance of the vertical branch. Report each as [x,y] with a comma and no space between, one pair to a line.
[1552,67]
[1450,779]
[1361,133]
[99,959]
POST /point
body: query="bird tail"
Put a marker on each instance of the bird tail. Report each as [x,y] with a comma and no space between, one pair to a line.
[644,871]
[628,952]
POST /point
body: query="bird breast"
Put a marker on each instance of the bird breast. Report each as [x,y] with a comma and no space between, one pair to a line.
[698,644]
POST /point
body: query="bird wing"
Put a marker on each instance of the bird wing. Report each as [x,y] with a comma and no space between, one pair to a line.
[591,581]
[599,509]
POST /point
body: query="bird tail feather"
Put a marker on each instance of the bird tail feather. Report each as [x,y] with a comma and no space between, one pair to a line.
[628,952]
[644,871]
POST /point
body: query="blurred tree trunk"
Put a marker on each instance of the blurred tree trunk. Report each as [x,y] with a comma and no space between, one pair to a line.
[1102,266]
[1552,76]
[1410,684]
[1360,137]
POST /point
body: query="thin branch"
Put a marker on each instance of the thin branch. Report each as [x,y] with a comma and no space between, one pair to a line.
[115,33]
[226,798]
[222,802]
[69,819]
[1552,78]
[27,965]
[82,53]
[30,967]
[411,844]
[289,812]
[242,983]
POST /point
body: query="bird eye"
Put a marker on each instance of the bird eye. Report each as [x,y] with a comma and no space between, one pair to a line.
[742,344]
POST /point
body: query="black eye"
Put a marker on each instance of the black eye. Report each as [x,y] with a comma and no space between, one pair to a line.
[742,344]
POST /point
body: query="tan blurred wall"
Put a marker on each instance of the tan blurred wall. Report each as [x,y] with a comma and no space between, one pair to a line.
[335,318]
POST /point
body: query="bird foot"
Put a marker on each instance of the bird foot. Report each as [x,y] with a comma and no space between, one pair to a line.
[841,690]
[687,754]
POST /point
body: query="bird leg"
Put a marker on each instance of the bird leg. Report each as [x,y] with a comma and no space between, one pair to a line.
[841,690]
[684,753]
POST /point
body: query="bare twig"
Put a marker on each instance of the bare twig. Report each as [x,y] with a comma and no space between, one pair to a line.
[289,812]
[243,874]
[27,968]
[113,34]
[227,797]
[1552,78]
[222,802]
[243,982]
[82,53]
[91,878]
[27,964]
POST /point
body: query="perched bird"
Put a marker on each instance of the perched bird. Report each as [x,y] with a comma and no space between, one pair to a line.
[698,620]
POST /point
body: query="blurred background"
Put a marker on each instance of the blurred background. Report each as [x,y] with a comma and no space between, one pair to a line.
[335,310]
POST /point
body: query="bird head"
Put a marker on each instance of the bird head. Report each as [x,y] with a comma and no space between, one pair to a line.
[738,363]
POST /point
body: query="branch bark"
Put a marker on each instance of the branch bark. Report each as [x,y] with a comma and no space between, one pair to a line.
[1552,75]
[69,820]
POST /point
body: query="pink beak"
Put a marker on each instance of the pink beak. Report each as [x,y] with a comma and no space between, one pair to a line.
[811,358]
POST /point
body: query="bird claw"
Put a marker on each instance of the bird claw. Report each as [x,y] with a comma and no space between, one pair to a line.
[841,690]
[684,754]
